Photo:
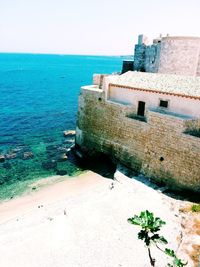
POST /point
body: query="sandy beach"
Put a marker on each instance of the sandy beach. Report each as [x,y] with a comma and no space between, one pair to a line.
[83,222]
[52,190]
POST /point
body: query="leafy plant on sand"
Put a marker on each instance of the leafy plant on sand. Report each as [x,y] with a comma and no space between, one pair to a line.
[196,207]
[149,234]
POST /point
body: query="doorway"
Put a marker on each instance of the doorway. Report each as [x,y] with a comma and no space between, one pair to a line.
[141,108]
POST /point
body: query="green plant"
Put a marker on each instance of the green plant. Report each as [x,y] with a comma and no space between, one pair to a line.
[149,234]
[196,207]
[176,261]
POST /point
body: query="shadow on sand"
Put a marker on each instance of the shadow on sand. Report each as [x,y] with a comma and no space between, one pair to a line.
[187,195]
[103,165]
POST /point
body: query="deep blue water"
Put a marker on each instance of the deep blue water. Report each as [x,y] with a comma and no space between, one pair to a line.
[38,100]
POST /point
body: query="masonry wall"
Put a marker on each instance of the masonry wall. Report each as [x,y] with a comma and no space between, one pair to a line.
[139,57]
[198,67]
[152,58]
[159,148]
[179,55]
[173,55]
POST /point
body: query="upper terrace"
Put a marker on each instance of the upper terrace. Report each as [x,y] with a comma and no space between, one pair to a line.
[164,93]
[170,95]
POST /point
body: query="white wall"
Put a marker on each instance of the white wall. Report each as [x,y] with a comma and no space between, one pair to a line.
[179,105]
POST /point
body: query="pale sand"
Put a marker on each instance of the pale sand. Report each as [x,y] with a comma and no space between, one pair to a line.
[83,222]
[48,194]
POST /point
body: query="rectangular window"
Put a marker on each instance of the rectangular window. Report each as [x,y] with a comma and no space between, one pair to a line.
[164,103]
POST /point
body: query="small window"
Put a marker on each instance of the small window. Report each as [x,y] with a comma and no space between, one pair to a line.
[164,103]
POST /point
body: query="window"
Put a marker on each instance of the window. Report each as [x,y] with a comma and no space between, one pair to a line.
[164,103]
[141,108]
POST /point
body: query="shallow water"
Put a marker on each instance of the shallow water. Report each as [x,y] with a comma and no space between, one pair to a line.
[38,100]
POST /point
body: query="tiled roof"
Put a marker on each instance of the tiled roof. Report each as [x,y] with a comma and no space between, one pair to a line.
[164,83]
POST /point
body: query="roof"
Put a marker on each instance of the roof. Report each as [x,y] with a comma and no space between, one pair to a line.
[160,83]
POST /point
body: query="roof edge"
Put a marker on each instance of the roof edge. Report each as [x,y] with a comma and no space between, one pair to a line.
[181,37]
[153,91]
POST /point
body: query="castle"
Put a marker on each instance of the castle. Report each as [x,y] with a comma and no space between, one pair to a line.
[148,121]
[173,55]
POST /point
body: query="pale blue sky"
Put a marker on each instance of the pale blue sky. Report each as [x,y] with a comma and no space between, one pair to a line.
[91,26]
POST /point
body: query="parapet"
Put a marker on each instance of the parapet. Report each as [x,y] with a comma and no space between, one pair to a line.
[98,79]
[184,38]
[142,39]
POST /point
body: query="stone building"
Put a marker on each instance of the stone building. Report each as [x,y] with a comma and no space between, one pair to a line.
[170,54]
[149,122]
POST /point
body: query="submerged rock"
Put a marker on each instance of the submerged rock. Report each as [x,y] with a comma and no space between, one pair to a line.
[52,151]
[19,149]
[64,157]
[11,156]
[57,152]
[62,149]
[22,152]
[69,142]
[27,155]
[69,133]
[48,165]
[79,154]
[7,165]
[61,172]
[2,158]
[51,148]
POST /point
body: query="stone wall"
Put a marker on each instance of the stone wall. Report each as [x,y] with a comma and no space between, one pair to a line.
[179,55]
[198,67]
[158,148]
[152,57]
[173,55]
[139,57]
[139,53]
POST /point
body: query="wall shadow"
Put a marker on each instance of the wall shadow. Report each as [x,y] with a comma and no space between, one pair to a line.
[100,163]
[180,194]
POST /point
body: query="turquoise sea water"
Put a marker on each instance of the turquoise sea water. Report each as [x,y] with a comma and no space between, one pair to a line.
[38,100]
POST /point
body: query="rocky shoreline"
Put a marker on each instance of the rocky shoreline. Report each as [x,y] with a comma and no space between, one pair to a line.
[49,157]
[24,152]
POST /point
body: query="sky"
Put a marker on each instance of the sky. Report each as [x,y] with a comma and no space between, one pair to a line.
[92,27]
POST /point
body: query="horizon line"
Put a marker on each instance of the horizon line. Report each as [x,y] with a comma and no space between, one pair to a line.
[63,54]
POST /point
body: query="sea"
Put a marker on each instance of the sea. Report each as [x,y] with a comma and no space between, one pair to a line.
[38,101]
